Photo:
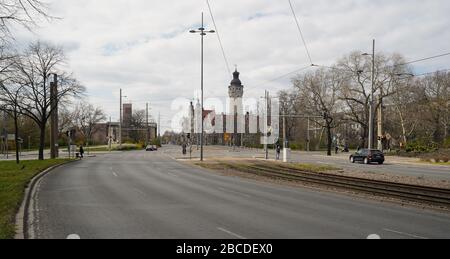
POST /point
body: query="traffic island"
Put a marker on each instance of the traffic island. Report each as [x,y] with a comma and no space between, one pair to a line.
[14,179]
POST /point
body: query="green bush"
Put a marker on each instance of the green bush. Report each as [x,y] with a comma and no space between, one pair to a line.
[130,147]
[157,142]
[421,147]
[296,146]
[447,143]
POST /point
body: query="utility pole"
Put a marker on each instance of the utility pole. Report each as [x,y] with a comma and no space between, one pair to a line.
[120,121]
[371,115]
[308,141]
[380,122]
[266,148]
[110,135]
[203,33]
[285,141]
[4,135]
[146,126]
[54,152]
[159,125]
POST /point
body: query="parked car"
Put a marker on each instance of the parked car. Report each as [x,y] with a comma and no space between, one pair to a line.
[368,156]
[151,148]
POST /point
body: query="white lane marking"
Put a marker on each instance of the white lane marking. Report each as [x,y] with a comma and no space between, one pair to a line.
[404,234]
[373,237]
[172,174]
[231,191]
[73,236]
[231,233]
[139,191]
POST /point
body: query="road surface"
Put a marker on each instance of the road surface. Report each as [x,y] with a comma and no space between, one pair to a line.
[150,195]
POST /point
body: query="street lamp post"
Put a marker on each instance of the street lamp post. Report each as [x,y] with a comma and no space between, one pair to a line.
[371,115]
[120,120]
[202,31]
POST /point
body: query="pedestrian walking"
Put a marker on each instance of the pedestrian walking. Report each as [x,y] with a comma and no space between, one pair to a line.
[183,147]
[81,152]
[278,151]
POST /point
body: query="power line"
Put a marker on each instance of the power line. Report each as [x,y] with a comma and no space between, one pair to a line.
[283,76]
[423,59]
[300,31]
[219,38]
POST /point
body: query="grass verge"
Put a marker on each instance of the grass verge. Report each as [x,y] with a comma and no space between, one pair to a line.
[125,147]
[246,166]
[13,181]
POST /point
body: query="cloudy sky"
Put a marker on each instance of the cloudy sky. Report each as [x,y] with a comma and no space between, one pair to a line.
[144,47]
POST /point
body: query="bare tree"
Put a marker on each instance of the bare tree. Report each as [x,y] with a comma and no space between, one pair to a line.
[138,125]
[437,95]
[290,106]
[34,69]
[23,12]
[11,99]
[87,117]
[356,92]
[319,93]
[10,93]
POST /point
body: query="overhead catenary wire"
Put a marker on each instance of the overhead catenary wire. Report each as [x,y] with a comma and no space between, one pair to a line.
[218,37]
[281,77]
[300,31]
[423,59]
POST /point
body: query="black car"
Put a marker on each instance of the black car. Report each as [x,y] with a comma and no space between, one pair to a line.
[368,156]
[151,148]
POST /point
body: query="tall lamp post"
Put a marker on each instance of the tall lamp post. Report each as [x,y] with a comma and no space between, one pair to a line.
[121,118]
[371,110]
[202,31]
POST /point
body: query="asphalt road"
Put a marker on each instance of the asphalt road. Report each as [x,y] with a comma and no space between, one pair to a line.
[150,195]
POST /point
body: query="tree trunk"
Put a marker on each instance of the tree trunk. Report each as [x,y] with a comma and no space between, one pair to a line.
[42,142]
[437,136]
[16,131]
[330,140]
[364,136]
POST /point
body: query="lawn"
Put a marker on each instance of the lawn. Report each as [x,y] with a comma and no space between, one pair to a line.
[115,147]
[13,181]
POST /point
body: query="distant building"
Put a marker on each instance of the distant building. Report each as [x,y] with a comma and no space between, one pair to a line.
[127,114]
[105,132]
[234,114]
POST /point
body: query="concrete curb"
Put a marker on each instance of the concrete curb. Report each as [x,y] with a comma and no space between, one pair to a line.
[22,216]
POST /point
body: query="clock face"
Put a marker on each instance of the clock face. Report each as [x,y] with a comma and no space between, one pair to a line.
[236,92]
